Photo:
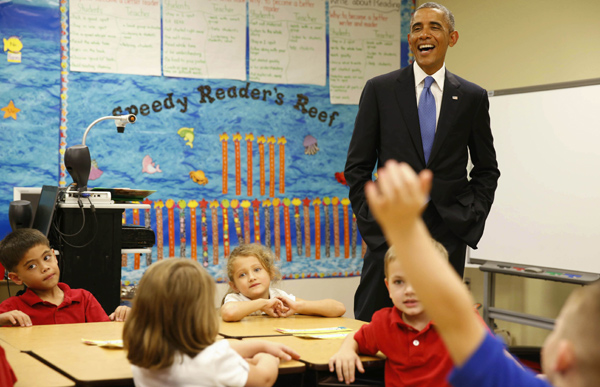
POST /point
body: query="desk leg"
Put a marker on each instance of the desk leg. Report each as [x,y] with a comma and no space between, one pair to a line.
[489,295]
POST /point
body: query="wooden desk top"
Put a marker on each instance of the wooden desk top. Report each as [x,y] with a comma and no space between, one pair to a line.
[61,346]
[261,326]
[30,372]
[317,352]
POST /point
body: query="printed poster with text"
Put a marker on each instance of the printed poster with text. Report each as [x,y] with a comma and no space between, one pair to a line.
[204,39]
[287,41]
[364,41]
[107,36]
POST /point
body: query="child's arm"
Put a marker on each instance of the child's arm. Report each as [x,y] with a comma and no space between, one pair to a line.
[397,201]
[263,370]
[248,349]
[237,310]
[325,308]
[15,317]
[346,359]
[120,314]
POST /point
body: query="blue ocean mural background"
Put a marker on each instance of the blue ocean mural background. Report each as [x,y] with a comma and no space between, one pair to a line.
[177,150]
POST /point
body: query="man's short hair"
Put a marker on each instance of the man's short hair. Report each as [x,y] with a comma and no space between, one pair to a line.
[15,245]
[448,16]
[390,255]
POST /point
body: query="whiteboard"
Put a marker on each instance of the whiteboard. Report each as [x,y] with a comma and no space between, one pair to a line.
[547,206]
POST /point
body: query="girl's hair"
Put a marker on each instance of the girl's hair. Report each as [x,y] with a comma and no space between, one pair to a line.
[173,311]
[260,252]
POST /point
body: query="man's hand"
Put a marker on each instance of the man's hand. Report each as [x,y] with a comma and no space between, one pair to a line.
[120,314]
[15,318]
[344,363]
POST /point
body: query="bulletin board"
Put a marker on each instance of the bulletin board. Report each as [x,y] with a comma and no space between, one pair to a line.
[231,161]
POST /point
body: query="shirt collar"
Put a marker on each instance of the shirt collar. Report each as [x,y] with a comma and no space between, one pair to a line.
[396,319]
[31,299]
[439,76]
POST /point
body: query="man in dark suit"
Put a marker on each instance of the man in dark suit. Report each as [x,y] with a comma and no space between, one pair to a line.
[388,126]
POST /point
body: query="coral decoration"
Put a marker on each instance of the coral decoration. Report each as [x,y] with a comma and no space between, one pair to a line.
[182,237]
[277,228]
[235,204]
[203,204]
[192,204]
[271,142]
[246,205]
[305,211]
[148,224]
[238,178]
[336,226]
[170,204]
[158,206]
[224,207]
[363,248]
[249,139]
[326,203]
[266,204]
[256,213]
[136,221]
[261,154]
[123,256]
[288,231]
[316,203]
[297,202]
[214,205]
[223,138]
[354,233]
[281,141]
[345,203]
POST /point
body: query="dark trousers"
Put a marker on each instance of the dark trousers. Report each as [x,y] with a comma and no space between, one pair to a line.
[372,295]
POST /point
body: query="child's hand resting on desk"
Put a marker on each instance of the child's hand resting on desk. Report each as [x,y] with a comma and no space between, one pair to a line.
[120,314]
[289,307]
[345,362]
[15,318]
[274,307]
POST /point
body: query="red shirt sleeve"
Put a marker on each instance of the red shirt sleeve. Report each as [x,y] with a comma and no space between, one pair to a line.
[93,309]
[366,337]
[7,375]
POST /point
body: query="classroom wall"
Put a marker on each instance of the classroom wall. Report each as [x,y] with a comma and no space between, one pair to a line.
[514,43]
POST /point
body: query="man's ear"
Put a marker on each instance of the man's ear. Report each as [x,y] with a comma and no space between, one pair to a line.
[453,38]
[565,358]
[14,277]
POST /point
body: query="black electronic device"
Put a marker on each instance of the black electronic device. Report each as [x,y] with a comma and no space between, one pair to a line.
[45,209]
[137,237]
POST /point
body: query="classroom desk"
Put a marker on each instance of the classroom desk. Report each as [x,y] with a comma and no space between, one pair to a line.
[264,326]
[317,352]
[61,346]
[32,373]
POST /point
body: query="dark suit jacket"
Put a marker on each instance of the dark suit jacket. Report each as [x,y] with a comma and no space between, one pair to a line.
[387,127]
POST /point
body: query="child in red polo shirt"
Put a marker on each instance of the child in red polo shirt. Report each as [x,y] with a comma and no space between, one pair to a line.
[416,354]
[27,255]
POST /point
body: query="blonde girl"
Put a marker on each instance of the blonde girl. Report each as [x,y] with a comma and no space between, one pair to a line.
[170,334]
[251,270]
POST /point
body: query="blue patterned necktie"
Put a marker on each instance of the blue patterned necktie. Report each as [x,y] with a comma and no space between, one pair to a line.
[427,117]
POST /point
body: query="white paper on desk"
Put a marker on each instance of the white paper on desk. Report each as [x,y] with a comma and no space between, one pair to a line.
[105,343]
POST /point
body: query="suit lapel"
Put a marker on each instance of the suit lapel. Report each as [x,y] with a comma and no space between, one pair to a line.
[407,102]
[450,103]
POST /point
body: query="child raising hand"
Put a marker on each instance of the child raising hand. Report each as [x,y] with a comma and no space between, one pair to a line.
[170,334]
[251,270]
